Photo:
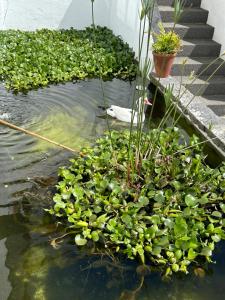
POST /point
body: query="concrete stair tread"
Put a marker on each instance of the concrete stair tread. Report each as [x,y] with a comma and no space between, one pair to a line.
[215,99]
[189,15]
[188,42]
[196,60]
[185,25]
[215,102]
[186,9]
[191,30]
[198,65]
[188,3]
[200,48]
[202,85]
[217,79]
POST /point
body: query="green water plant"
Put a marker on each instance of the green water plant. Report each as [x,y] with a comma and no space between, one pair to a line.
[29,60]
[172,214]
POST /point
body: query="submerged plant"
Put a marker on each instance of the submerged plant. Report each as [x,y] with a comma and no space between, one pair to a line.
[172,215]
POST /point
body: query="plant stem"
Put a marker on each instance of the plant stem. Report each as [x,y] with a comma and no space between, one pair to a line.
[92,13]
[12,126]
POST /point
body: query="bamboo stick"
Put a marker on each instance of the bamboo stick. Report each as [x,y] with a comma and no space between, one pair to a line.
[12,126]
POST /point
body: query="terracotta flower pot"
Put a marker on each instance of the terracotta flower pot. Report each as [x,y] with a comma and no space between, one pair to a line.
[163,64]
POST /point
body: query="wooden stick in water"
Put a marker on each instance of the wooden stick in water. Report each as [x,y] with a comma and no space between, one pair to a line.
[12,126]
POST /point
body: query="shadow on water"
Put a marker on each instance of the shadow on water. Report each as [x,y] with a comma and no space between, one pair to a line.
[32,267]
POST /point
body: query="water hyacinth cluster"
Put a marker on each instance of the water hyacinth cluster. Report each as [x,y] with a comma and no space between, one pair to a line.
[29,60]
[170,213]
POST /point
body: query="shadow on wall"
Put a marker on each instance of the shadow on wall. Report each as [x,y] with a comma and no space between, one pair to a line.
[122,16]
[78,15]
[119,15]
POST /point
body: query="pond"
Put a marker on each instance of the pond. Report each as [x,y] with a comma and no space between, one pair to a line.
[31,266]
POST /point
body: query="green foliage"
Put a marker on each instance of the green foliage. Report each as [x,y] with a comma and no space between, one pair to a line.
[178,10]
[30,60]
[172,213]
[147,6]
[166,42]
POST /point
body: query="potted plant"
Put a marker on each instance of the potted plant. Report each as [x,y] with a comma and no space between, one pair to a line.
[165,48]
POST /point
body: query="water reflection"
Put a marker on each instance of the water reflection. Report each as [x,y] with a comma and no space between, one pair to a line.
[32,269]
[65,113]
[39,271]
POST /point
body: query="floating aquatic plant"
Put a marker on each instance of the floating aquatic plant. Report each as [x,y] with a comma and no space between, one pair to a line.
[29,60]
[170,214]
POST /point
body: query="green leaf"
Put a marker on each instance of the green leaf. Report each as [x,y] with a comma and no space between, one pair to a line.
[126,219]
[177,185]
[206,251]
[155,219]
[191,254]
[97,209]
[191,200]
[156,250]
[82,224]
[164,241]
[80,241]
[175,267]
[217,214]
[216,238]
[95,236]
[178,254]
[222,206]
[143,201]
[78,192]
[159,197]
[204,199]
[180,227]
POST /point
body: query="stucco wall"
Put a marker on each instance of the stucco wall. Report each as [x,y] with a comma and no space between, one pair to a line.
[216,18]
[119,15]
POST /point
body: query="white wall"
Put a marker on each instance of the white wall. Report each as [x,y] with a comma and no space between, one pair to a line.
[119,15]
[34,14]
[216,18]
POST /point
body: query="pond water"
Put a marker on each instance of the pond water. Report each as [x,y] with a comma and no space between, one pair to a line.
[31,266]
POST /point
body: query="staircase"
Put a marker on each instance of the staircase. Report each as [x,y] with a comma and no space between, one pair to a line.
[200,50]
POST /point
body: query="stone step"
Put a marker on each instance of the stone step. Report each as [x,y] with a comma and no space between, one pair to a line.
[190,15]
[198,65]
[215,99]
[216,103]
[188,3]
[200,48]
[201,87]
[192,31]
